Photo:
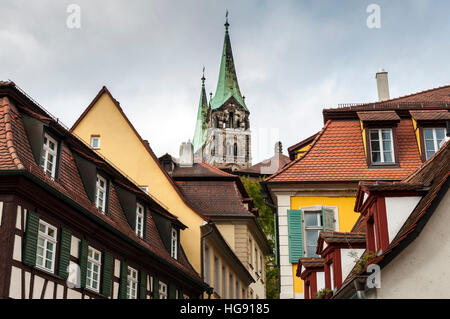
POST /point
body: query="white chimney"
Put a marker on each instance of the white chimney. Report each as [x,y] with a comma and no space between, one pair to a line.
[186,154]
[382,85]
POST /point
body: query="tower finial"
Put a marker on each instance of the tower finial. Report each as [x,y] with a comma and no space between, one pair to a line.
[226,21]
[203,77]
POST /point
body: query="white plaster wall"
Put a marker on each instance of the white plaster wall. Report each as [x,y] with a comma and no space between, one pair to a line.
[59,292]
[49,290]
[38,286]
[74,246]
[17,250]
[286,280]
[348,260]
[15,285]
[19,218]
[422,269]
[320,280]
[73,294]
[1,212]
[117,267]
[398,210]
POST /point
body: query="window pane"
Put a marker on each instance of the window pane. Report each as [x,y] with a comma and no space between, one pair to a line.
[311,251]
[375,145]
[428,133]
[386,134]
[311,237]
[387,145]
[429,154]
[374,135]
[388,157]
[311,219]
[440,134]
[429,145]
[376,157]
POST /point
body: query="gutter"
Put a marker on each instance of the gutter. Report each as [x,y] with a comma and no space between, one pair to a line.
[91,216]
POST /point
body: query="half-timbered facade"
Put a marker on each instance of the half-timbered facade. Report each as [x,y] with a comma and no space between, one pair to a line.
[74,227]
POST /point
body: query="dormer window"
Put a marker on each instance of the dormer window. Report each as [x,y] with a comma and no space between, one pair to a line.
[100,193]
[433,138]
[95,142]
[381,146]
[49,155]
[140,220]
[174,244]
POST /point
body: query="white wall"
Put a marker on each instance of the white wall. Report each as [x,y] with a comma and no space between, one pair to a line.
[320,280]
[398,210]
[348,260]
[422,269]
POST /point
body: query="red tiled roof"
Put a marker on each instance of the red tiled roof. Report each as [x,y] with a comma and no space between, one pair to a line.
[268,166]
[334,237]
[15,153]
[337,154]
[378,116]
[308,263]
[422,115]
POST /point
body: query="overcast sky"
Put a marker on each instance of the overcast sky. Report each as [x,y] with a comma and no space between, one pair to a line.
[293,58]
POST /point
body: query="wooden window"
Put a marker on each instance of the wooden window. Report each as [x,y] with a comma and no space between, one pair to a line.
[313,225]
[132,283]
[46,246]
[216,274]
[100,194]
[162,290]
[94,266]
[174,244]
[140,220]
[95,142]
[224,280]
[49,155]
[432,139]
[381,146]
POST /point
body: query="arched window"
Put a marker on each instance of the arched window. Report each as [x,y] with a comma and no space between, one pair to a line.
[235,151]
[231,120]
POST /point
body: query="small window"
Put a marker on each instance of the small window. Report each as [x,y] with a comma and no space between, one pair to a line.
[162,290]
[49,155]
[140,220]
[132,283]
[46,246]
[100,197]
[94,266]
[433,138]
[381,146]
[313,226]
[174,244]
[95,142]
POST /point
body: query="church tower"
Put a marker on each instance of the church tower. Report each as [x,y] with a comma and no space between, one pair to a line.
[222,135]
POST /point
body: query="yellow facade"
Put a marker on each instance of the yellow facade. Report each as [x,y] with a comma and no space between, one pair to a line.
[123,148]
[346,215]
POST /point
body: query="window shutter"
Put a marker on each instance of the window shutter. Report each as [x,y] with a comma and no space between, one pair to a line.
[328,219]
[155,287]
[64,253]
[172,292]
[107,274]
[295,234]
[30,241]
[123,280]
[143,285]
[83,261]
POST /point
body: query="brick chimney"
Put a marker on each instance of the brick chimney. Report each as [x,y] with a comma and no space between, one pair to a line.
[382,85]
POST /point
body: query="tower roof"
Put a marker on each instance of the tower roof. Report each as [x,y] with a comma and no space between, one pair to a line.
[227,85]
[200,126]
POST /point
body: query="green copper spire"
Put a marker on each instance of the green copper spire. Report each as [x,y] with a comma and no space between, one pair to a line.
[200,127]
[227,85]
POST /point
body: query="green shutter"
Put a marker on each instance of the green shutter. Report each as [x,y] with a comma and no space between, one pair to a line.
[123,280]
[155,287]
[328,219]
[295,232]
[143,285]
[83,261]
[30,241]
[107,274]
[64,253]
[172,292]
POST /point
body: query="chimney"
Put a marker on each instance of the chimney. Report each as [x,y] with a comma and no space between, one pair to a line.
[382,85]
[186,154]
[278,148]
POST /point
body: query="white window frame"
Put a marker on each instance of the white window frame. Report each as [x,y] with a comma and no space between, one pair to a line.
[162,290]
[140,214]
[46,239]
[97,138]
[380,143]
[132,283]
[312,228]
[91,262]
[435,143]
[98,190]
[174,243]
[46,151]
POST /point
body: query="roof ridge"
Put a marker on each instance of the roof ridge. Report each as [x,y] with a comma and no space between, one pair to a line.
[219,171]
[9,134]
[319,134]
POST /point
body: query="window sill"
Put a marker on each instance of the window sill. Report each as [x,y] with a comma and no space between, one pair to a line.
[384,165]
